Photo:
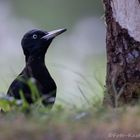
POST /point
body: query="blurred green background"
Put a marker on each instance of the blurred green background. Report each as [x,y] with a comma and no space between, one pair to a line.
[76,59]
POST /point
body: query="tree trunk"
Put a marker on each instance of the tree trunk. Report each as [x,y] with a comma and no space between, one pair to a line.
[123,52]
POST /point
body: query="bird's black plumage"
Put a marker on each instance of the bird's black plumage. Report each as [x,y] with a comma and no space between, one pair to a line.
[35,44]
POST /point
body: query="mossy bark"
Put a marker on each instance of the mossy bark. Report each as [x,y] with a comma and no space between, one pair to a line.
[123,63]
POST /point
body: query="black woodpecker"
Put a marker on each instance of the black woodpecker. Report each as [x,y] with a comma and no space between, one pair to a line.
[35,44]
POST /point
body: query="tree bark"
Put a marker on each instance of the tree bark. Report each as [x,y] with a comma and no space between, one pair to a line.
[123,52]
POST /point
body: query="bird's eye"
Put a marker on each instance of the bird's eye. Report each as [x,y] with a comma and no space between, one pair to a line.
[34,36]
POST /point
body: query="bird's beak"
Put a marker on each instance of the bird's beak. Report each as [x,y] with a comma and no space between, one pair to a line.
[53,34]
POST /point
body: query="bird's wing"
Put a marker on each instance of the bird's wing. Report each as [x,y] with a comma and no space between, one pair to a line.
[19,84]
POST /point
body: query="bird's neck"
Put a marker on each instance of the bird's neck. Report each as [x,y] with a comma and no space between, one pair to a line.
[37,59]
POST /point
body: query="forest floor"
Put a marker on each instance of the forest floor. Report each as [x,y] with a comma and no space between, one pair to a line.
[71,124]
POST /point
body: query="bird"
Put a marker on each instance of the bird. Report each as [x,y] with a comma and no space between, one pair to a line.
[35,44]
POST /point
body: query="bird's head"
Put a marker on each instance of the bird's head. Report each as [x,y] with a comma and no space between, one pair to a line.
[38,41]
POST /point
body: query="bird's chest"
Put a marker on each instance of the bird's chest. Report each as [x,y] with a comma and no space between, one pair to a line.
[43,79]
